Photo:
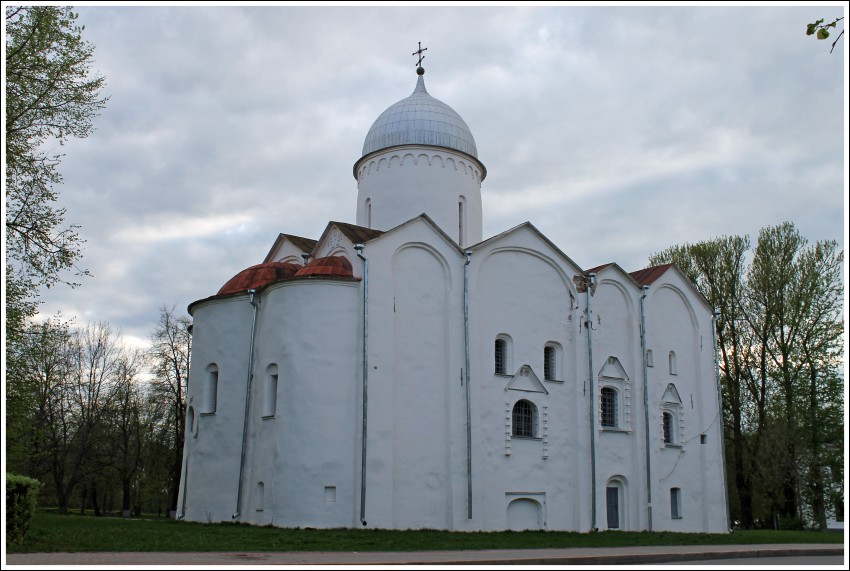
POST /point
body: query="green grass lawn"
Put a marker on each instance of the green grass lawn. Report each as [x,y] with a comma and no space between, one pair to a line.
[53,532]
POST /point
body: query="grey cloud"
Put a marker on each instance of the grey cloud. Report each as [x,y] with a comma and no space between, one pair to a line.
[617,131]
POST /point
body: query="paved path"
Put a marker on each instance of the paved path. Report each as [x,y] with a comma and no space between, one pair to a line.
[577,556]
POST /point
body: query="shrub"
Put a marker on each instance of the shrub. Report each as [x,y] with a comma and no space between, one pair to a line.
[21,493]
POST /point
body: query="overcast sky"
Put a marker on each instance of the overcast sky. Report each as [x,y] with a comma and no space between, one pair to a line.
[616,131]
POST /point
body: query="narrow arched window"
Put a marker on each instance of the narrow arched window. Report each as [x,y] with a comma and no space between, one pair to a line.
[673,368]
[261,496]
[368,213]
[609,407]
[524,419]
[211,390]
[461,220]
[270,398]
[550,363]
[192,422]
[672,418]
[501,360]
[676,503]
[667,426]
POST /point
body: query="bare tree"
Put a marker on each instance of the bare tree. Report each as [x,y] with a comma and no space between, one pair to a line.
[71,374]
[125,424]
[170,355]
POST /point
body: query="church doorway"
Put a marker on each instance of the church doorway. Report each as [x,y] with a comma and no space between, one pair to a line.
[615,503]
[612,494]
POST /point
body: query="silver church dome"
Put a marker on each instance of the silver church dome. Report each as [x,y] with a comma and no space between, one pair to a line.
[420,120]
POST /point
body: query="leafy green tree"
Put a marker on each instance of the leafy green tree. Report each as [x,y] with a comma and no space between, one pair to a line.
[780,335]
[51,96]
[819,362]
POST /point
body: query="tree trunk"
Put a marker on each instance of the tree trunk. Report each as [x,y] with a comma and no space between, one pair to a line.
[62,501]
[125,497]
[83,497]
[789,488]
[815,472]
[95,505]
[742,483]
[61,490]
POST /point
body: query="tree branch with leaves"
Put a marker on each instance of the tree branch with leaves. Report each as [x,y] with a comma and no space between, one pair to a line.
[52,95]
[821,30]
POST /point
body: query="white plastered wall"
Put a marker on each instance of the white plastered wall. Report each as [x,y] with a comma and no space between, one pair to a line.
[416,466]
[678,320]
[221,335]
[403,182]
[523,289]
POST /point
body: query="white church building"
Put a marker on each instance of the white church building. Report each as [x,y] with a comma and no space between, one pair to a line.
[405,372]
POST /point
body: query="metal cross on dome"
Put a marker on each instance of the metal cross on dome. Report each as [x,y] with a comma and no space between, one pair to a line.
[419,53]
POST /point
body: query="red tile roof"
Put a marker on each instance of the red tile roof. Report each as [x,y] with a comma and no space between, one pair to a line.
[258,276]
[648,275]
[338,266]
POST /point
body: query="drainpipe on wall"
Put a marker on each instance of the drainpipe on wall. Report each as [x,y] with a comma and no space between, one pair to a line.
[254,303]
[589,326]
[714,319]
[359,249]
[646,405]
[468,397]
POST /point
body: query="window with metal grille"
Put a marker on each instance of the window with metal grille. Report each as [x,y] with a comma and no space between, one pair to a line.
[549,363]
[501,357]
[523,419]
[675,503]
[609,407]
[667,426]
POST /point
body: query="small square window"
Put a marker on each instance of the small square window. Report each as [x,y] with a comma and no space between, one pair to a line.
[330,494]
